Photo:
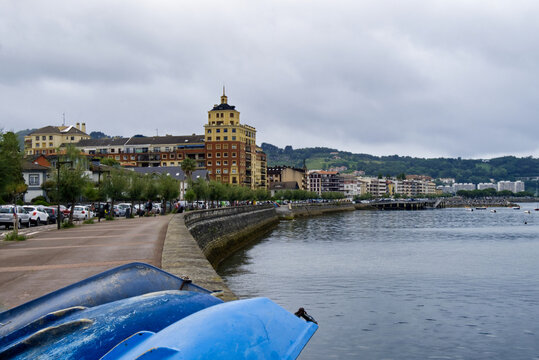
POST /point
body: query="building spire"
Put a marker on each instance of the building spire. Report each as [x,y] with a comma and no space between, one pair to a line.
[223,97]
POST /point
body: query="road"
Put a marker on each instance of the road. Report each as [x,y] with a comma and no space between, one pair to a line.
[51,259]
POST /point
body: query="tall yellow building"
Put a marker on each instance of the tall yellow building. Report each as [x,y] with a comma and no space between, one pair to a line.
[231,152]
[47,140]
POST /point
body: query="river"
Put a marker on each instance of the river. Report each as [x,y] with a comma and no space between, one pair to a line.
[431,284]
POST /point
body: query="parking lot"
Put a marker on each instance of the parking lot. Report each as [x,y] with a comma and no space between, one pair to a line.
[50,259]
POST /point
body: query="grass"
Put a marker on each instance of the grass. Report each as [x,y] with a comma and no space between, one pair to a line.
[109,218]
[13,236]
[67,225]
[88,221]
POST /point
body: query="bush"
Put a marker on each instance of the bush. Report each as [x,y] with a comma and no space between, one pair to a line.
[13,236]
[109,217]
[88,221]
[39,200]
[67,225]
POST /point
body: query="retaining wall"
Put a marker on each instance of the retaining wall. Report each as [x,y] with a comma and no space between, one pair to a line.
[292,211]
[221,232]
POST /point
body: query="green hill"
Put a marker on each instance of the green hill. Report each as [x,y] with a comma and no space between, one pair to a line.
[463,170]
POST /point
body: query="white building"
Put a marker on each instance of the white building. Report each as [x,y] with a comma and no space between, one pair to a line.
[513,186]
[483,186]
[463,186]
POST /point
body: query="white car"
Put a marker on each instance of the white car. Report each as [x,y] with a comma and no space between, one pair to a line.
[37,215]
[7,215]
[81,212]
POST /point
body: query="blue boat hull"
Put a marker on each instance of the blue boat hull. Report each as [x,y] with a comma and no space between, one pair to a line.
[88,333]
[119,283]
[245,329]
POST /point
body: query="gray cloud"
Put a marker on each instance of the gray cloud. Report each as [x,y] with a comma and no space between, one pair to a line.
[424,78]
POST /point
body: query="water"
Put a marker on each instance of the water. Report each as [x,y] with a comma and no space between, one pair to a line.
[439,284]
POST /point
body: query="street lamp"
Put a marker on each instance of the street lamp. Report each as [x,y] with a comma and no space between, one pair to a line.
[58,165]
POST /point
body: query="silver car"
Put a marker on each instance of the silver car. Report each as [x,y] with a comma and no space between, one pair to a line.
[7,213]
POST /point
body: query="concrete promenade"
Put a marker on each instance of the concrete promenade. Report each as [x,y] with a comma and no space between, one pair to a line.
[53,259]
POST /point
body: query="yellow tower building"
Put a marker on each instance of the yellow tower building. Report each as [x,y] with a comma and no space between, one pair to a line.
[231,152]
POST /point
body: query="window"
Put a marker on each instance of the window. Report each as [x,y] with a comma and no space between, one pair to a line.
[167,149]
[50,137]
[172,163]
[225,130]
[209,171]
[225,146]
[217,130]
[50,145]
[233,171]
[233,154]
[234,179]
[234,130]
[33,179]
[209,116]
[209,147]
[218,163]
[231,114]
[172,156]
[156,149]
[233,138]
[209,131]
[132,157]
[112,150]
[218,146]
[37,138]
[218,155]
[209,138]
[164,156]
[225,138]
[117,157]
[43,138]
[217,115]
[125,157]
[218,171]
[209,155]
[43,144]
[209,162]
[225,162]
[72,138]
[234,162]
[225,171]
[37,144]
[234,146]
[225,154]
[164,164]
[218,138]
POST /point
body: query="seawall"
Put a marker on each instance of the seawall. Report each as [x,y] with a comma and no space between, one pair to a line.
[196,242]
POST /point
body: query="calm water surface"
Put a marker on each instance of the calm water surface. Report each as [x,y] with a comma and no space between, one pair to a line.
[439,284]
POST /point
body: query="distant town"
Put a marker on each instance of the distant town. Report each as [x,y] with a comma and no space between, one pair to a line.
[225,152]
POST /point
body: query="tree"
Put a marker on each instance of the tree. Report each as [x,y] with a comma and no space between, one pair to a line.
[11,179]
[151,189]
[135,189]
[188,165]
[169,188]
[73,179]
[110,162]
[115,185]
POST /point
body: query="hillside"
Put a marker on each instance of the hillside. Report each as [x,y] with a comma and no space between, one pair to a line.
[475,171]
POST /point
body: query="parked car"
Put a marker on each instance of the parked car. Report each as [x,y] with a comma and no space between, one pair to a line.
[52,213]
[81,212]
[7,213]
[37,215]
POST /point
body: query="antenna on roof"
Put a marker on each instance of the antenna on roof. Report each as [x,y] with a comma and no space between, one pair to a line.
[64,117]
[157,132]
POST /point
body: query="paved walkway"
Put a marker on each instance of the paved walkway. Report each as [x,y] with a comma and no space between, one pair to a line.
[53,259]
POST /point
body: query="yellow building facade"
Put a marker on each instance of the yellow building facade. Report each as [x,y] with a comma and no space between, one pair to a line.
[231,153]
[47,140]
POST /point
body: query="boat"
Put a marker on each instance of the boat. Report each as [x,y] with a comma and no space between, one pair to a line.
[516,207]
[115,284]
[481,208]
[469,209]
[493,210]
[243,329]
[527,211]
[89,333]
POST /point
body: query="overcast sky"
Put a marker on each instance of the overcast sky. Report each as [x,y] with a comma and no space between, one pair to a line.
[418,77]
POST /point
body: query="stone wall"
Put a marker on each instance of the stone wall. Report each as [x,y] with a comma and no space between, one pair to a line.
[221,232]
[292,211]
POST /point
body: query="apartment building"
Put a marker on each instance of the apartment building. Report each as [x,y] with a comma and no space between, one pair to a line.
[148,151]
[285,174]
[231,153]
[48,139]
[324,181]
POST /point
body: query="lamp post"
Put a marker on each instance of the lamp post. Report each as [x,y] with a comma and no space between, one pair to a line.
[58,165]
